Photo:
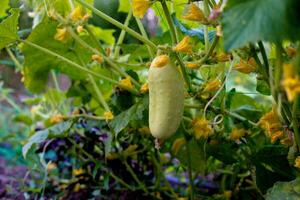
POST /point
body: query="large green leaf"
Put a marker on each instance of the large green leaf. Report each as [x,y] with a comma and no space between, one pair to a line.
[38,64]
[124,6]
[253,20]
[135,112]
[9,28]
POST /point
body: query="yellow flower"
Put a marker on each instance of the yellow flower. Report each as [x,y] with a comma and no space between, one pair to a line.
[297,162]
[77,14]
[290,51]
[291,82]
[236,133]
[192,65]
[177,144]
[184,46]
[62,34]
[108,115]
[270,123]
[79,29]
[286,142]
[77,172]
[77,187]
[194,13]
[126,82]
[160,61]
[223,57]
[144,88]
[212,85]
[56,119]
[97,58]
[246,67]
[276,136]
[140,7]
[51,166]
[201,128]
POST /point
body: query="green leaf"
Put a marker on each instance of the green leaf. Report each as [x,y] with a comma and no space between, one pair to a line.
[40,136]
[105,35]
[254,20]
[263,87]
[9,28]
[284,190]
[4,5]
[196,154]
[38,64]
[124,6]
[133,113]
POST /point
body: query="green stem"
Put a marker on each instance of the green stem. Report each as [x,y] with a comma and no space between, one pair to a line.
[120,181]
[122,35]
[295,113]
[210,51]
[206,13]
[264,56]
[184,72]
[92,117]
[134,176]
[191,179]
[106,59]
[96,88]
[143,31]
[79,67]
[99,46]
[117,24]
[170,22]
[56,84]
[14,59]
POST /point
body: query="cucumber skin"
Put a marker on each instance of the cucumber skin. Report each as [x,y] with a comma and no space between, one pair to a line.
[166,102]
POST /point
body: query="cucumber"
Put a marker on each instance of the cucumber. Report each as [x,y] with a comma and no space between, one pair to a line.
[166,97]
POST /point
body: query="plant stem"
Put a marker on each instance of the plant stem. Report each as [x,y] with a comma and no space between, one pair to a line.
[79,67]
[295,115]
[206,13]
[184,72]
[56,84]
[117,24]
[99,46]
[191,179]
[264,56]
[143,31]
[106,59]
[122,35]
[14,59]
[170,22]
[210,51]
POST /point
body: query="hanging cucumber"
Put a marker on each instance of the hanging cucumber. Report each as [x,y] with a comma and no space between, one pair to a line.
[166,92]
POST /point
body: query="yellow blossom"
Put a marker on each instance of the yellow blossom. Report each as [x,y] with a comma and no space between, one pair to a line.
[97,58]
[77,187]
[291,82]
[107,51]
[212,86]
[78,172]
[223,57]
[177,144]
[51,166]
[290,51]
[270,123]
[77,14]
[161,61]
[246,67]
[144,88]
[79,29]
[286,141]
[126,82]
[194,13]
[56,119]
[184,46]
[276,136]
[297,162]
[140,7]
[202,128]
[192,65]
[62,34]
[236,133]
[108,115]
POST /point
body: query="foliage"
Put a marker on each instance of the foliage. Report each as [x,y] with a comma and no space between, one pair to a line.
[86,121]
